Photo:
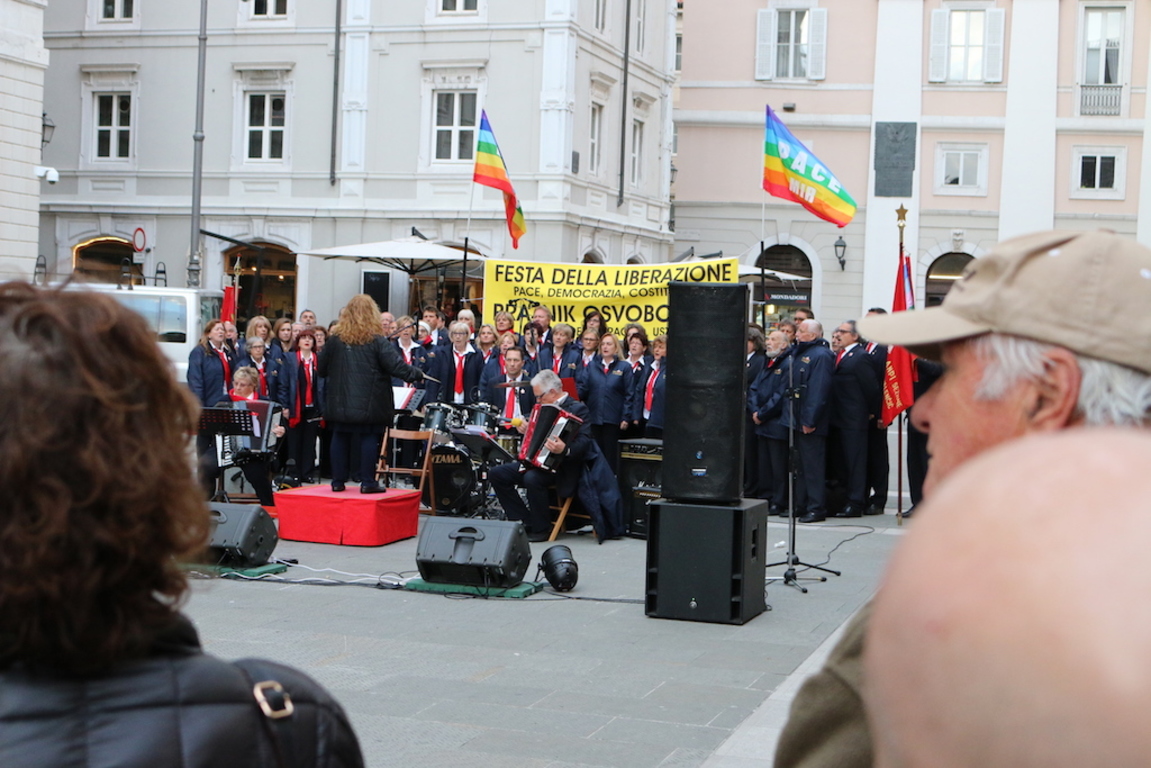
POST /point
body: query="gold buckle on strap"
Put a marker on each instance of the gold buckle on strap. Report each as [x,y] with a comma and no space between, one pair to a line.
[269,710]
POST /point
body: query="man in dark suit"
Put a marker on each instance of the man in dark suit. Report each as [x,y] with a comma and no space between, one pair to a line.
[812,367]
[878,462]
[512,402]
[855,403]
[507,478]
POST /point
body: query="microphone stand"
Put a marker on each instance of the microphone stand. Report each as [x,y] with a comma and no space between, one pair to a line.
[789,577]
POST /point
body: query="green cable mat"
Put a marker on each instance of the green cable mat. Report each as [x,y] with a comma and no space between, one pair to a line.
[524,589]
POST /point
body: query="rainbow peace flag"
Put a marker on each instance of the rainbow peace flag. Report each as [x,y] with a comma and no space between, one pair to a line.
[792,172]
[491,172]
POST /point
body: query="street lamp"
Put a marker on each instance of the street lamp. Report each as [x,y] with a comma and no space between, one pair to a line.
[841,253]
[47,128]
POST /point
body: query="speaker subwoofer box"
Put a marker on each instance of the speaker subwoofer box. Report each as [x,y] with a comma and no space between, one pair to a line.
[243,535]
[706,562]
[706,369]
[473,552]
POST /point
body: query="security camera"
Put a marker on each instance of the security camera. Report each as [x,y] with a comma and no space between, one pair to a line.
[51,175]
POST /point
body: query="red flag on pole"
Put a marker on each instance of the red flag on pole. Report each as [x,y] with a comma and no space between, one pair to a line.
[228,308]
[898,395]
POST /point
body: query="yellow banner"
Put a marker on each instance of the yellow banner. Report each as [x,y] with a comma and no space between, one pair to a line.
[630,294]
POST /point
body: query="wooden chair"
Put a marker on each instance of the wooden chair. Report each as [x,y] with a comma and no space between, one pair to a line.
[423,472]
[563,506]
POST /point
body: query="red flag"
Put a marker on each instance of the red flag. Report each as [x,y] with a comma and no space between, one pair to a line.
[228,308]
[898,395]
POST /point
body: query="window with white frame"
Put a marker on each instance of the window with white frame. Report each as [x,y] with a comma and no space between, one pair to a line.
[113,126]
[967,44]
[115,10]
[269,9]
[791,42]
[459,6]
[595,133]
[266,121]
[679,53]
[600,14]
[455,125]
[961,169]
[1102,44]
[1099,173]
[636,152]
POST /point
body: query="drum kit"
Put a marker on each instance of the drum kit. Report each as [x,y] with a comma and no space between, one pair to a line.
[467,445]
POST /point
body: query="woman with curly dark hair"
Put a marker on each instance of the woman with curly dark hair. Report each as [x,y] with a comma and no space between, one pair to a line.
[358,364]
[97,665]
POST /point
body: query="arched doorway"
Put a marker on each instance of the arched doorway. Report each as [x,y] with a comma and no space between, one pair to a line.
[775,299]
[107,259]
[591,257]
[267,280]
[942,274]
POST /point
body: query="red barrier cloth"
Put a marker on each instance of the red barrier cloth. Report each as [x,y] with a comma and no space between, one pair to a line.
[314,513]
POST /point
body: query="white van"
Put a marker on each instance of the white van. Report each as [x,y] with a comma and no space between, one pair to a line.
[177,315]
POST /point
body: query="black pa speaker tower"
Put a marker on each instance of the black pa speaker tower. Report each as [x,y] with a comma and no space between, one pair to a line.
[640,480]
[473,552]
[706,368]
[706,562]
[243,535]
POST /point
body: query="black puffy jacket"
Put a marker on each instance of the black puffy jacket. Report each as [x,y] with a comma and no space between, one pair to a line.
[359,388]
[177,708]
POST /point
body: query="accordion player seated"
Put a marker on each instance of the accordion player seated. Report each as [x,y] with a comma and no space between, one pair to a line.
[557,438]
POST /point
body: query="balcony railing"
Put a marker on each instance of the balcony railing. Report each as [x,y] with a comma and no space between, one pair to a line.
[1100,99]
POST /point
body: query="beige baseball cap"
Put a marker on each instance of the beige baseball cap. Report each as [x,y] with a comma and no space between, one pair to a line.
[1087,291]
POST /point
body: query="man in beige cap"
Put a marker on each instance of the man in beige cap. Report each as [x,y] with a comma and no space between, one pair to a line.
[989,643]
[1018,360]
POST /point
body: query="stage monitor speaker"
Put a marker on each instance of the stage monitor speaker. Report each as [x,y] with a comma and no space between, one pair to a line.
[706,562]
[640,480]
[706,372]
[473,552]
[243,535]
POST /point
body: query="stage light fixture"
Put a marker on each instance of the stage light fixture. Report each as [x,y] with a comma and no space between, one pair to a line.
[559,567]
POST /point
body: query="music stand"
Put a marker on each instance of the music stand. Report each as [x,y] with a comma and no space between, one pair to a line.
[226,422]
[480,443]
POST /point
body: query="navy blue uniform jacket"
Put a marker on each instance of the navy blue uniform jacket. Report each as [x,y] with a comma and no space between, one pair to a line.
[855,392]
[441,363]
[206,374]
[813,366]
[608,395]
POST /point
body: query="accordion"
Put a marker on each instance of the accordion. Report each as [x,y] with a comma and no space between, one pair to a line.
[547,421]
[240,449]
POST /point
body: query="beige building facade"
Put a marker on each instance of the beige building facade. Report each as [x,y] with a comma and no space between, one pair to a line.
[982,119]
[23,60]
[326,131]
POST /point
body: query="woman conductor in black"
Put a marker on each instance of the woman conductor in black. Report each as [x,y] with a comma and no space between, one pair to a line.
[359,363]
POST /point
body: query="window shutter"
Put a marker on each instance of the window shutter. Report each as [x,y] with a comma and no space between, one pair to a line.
[765,45]
[993,21]
[937,64]
[817,44]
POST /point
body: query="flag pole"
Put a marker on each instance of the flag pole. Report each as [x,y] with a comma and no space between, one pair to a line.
[901,222]
[468,233]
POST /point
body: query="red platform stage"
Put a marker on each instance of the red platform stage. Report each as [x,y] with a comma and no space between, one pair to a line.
[314,513]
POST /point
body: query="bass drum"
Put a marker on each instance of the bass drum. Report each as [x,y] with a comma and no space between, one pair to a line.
[454,480]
